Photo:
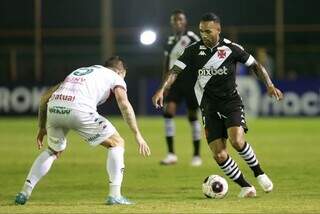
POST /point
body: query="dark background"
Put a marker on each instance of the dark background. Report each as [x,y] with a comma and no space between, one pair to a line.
[71,35]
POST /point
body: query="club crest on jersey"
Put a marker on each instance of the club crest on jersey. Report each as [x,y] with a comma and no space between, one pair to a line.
[222,54]
[212,72]
[202,53]
[82,71]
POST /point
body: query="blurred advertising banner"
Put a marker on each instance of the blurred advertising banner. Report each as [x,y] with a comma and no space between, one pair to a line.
[16,100]
[301,97]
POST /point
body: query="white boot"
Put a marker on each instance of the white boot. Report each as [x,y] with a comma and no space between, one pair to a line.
[247,192]
[196,161]
[170,159]
[265,183]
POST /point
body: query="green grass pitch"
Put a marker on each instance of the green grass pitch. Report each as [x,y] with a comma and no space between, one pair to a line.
[288,150]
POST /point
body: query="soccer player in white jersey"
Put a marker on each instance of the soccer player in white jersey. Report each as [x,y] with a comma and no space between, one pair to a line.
[71,105]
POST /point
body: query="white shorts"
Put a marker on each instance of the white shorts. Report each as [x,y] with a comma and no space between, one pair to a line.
[93,127]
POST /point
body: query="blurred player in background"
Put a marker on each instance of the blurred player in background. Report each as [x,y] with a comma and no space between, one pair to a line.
[71,105]
[181,90]
[213,60]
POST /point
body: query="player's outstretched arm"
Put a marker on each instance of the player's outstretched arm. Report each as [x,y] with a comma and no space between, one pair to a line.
[263,75]
[165,71]
[130,118]
[157,98]
[42,114]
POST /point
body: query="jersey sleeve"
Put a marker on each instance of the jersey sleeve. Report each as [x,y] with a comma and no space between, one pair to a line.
[119,82]
[241,55]
[185,59]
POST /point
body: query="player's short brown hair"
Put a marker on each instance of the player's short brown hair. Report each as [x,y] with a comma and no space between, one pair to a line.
[112,62]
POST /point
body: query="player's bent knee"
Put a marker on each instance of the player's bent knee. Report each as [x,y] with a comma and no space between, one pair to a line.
[221,156]
[53,152]
[236,137]
[120,142]
[169,110]
[113,141]
[237,142]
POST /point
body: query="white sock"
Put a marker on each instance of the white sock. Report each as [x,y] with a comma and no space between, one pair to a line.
[196,130]
[170,127]
[39,168]
[115,168]
[115,190]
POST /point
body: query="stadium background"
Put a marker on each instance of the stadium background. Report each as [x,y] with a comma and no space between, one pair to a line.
[42,41]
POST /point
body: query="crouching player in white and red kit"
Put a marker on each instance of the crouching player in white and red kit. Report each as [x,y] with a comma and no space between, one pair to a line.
[72,105]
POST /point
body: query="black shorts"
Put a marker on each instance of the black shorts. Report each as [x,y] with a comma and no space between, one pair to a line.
[180,92]
[217,121]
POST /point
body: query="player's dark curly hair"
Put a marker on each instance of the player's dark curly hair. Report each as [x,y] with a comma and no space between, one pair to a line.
[207,17]
[112,62]
[178,11]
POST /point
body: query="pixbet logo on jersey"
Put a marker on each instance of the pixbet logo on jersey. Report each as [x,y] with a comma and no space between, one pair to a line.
[212,72]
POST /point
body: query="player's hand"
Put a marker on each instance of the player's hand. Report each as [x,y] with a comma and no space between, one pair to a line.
[41,133]
[157,99]
[143,146]
[274,92]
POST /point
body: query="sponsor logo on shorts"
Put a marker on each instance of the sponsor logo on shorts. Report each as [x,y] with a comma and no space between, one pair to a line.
[93,137]
[59,110]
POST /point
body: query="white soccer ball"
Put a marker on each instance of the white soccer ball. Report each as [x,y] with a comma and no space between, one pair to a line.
[215,186]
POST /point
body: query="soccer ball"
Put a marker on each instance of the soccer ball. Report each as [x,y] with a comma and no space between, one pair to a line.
[214,186]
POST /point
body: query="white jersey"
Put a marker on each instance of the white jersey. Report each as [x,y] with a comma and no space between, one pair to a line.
[86,88]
